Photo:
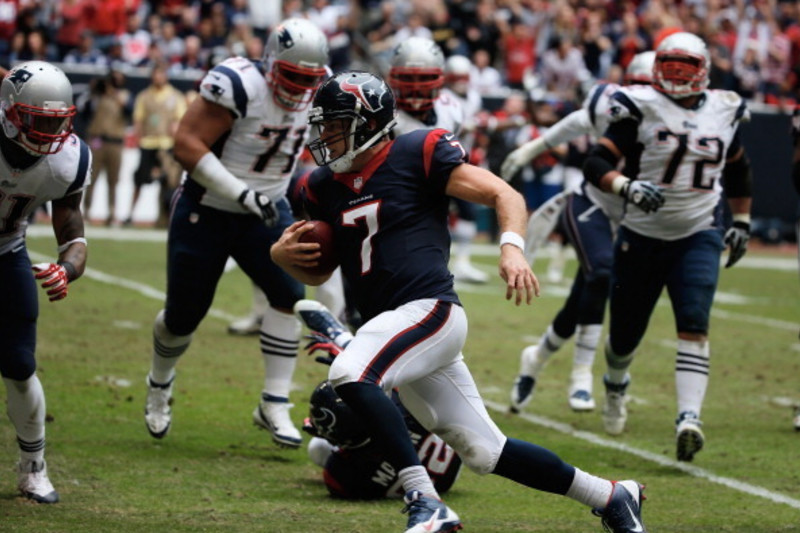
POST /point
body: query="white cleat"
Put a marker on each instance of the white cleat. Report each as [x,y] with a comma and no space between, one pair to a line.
[689,436]
[522,390]
[614,411]
[580,390]
[426,514]
[157,411]
[464,271]
[34,483]
[246,325]
[274,417]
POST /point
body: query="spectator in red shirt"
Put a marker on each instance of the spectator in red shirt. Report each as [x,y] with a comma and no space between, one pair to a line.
[519,51]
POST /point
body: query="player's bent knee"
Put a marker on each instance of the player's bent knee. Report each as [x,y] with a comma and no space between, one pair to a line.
[478,453]
[18,368]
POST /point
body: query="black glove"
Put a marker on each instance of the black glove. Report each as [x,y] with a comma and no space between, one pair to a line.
[260,205]
[736,239]
[645,195]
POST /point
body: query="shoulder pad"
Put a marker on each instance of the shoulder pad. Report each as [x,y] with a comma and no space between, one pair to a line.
[232,84]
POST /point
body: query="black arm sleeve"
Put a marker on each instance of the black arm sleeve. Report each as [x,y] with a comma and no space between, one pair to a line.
[737,179]
[599,162]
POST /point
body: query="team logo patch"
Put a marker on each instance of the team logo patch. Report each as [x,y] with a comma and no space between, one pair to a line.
[284,37]
[370,97]
[18,78]
[215,90]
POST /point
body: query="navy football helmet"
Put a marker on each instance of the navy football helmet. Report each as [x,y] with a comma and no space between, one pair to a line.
[333,420]
[351,112]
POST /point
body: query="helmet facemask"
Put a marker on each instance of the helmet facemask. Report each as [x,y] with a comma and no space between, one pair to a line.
[416,89]
[41,130]
[338,137]
[292,85]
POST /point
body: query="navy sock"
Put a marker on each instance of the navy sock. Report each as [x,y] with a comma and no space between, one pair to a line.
[383,421]
[535,467]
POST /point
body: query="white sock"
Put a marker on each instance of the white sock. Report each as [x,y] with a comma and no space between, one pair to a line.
[417,478]
[691,374]
[464,232]
[26,409]
[590,490]
[549,344]
[280,339]
[587,337]
[167,349]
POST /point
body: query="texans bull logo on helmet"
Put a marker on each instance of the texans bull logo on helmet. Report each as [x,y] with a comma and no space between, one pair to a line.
[371,98]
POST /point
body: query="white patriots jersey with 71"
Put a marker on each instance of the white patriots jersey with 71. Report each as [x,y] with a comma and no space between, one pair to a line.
[265,140]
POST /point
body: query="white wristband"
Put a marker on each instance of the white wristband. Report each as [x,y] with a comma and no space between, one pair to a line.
[515,239]
[63,248]
[212,174]
[741,217]
[618,183]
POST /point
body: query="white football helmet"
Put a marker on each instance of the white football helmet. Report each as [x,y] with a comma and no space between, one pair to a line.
[417,74]
[457,71]
[36,109]
[682,65]
[640,69]
[294,58]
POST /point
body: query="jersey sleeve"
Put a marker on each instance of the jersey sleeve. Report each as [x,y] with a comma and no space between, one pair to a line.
[622,107]
[442,152]
[228,85]
[79,176]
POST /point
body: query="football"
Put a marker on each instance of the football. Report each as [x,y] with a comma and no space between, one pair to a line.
[322,234]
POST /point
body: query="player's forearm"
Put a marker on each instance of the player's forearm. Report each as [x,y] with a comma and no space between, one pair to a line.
[212,174]
[512,213]
[68,228]
[740,208]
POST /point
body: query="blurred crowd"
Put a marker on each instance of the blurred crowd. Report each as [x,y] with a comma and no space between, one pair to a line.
[550,48]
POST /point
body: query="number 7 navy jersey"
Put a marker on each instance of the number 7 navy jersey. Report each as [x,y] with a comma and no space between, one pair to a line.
[390,220]
[681,150]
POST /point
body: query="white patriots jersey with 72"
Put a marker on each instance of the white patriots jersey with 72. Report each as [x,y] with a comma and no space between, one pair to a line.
[683,151]
[265,140]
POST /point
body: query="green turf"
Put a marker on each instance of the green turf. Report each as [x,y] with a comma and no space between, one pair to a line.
[216,472]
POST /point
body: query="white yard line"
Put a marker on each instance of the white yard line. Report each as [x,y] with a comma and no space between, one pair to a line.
[695,471]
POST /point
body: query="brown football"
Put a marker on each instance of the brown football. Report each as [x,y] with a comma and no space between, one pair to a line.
[322,234]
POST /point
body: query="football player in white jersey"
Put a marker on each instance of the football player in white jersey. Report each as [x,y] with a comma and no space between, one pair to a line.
[417,77]
[681,144]
[239,142]
[590,218]
[40,161]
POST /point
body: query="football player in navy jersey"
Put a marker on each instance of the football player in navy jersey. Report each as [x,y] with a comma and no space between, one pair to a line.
[387,201]
[239,142]
[681,146]
[40,161]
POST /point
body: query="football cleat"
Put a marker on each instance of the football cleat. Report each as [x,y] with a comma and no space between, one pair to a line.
[522,390]
[246,325]
[797,419]
[34,483]
[464,271]
[614,411]
[580,389]
[157,410]
[428,515]
[273,415]
[689,436]
[319,318]
[623,512]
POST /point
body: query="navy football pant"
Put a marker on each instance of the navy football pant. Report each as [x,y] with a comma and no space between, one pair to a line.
[688,268]
[19,309]
[199,243]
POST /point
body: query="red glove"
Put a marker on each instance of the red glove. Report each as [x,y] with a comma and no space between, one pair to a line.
[323,343]
[54,279]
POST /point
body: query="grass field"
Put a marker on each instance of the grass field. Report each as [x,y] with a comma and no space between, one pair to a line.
[216,472]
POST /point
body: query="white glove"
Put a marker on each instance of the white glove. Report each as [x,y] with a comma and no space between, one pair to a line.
[645,195]
[260,205]
[736,238]
[54,279]
[520,157]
